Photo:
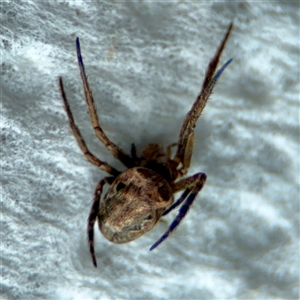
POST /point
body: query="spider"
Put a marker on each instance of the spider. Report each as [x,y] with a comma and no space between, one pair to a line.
[138,197]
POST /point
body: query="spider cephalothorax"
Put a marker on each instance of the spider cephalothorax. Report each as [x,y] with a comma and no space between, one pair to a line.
[141,195]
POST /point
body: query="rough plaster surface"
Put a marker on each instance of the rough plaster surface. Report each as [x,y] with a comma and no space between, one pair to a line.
[145,63]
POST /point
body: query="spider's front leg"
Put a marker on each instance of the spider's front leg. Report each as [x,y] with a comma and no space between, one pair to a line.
[94,213]
[192,186]
[186,137]
[116,151]
[80,141]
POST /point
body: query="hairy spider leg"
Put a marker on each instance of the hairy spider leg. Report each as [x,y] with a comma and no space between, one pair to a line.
[112,148]
[186,136]
[220,71]
[80,141]
[178,202]
[93,215]
[197,182]
[178,186]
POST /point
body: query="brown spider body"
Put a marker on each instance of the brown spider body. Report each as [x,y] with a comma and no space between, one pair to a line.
[141,195]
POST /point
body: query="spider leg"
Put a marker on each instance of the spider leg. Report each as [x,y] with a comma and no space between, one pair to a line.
[178,202]
[186,136]
[181,185]
[193,186]
[112,148]
[169,150]
[93,216]
[80,141]
[133,152]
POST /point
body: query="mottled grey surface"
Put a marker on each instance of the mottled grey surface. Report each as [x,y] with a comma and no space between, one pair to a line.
[145,63]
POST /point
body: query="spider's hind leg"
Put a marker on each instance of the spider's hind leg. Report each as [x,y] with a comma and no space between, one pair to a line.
[192,186]
[93,215]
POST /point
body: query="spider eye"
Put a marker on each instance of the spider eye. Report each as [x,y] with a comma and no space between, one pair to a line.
[149,217]
[120,186]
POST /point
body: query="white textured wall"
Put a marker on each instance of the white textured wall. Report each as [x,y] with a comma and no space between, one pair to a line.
[145,63]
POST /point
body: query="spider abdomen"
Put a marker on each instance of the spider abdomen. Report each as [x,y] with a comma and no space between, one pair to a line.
[133,204]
